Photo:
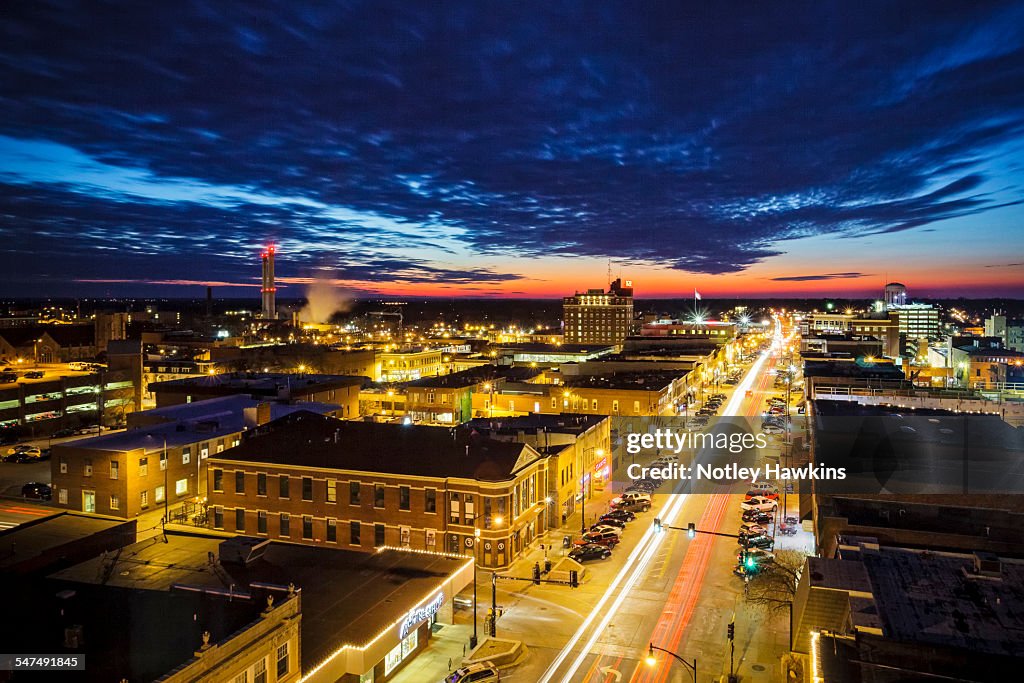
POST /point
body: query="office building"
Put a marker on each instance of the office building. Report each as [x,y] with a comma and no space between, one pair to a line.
[599,317]
[320,481]
[917,321]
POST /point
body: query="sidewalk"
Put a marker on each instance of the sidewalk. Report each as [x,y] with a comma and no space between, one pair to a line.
[449,644]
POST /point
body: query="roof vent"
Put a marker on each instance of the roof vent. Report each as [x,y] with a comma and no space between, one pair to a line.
[242,550]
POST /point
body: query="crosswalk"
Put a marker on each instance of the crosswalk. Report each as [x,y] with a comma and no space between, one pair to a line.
[8,525]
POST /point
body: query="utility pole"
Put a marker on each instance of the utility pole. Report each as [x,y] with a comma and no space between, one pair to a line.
[494,604]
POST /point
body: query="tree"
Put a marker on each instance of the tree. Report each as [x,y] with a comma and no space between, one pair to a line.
[773,587]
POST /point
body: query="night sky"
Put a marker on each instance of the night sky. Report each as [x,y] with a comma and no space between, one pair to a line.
[512,148]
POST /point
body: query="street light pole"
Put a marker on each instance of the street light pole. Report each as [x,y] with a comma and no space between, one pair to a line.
[473,641]
[651,660]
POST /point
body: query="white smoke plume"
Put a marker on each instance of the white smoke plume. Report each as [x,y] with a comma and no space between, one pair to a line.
[323,300]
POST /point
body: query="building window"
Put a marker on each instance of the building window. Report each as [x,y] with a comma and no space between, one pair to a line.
[115,502]
[63,466]
[218,480]
[282,485]
[593,404]
[114,469]
[239,519]
[186,456]
[354,530]
[282,659]
[615,406]
[332,531]
[307,527]
[159,494]
[378,495]
[261,484]
[144,499]
[430,500]
[163,461]
[87,467]
[143,466]
[285,525]
[636,407]
[378,535]
[453,509]
[239,481]
[554,403]
[62,496]
[332,491]
[403,497]
[218,517]
[242,677]
[353,493]
[307,488]
[259,671]
[261,522]
[181,487]
[470,509]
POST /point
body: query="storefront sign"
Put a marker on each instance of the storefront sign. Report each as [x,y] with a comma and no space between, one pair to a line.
[420,614]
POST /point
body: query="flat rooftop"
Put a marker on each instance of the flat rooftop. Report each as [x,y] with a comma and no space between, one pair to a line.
[473,376]
[347,597]
[936,598]
[564,423]
[653,380]
[34,539]
[309,440]
[263,382]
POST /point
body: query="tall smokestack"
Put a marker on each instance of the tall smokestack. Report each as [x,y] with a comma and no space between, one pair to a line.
[269,305]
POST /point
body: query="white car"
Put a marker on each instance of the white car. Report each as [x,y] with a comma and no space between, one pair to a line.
[764,487]
[481,672]
[631,496]
[759,503]
[602,528]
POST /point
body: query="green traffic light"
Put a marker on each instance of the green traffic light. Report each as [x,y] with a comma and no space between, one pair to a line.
[750,562]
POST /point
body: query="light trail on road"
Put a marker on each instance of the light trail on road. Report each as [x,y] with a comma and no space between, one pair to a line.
[636,564]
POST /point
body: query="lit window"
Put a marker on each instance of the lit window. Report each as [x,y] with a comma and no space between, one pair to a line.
[181,487]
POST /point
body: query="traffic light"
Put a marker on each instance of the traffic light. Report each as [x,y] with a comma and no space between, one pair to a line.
[691,530]
[731,632]
[536,573]
[657,525]
[574,578]
[748,561]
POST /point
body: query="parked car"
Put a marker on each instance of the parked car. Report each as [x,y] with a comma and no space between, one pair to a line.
[37,491]
[25,449]
[590,552]
[759,503]
[609,539]
[609,521]
[633,506]
[85,431]
[601,528]
[752,529]
[764,493]
[35,374]
[763,541]
[757,516]
[620,515]
[630,496]
[759,555]
[483,672]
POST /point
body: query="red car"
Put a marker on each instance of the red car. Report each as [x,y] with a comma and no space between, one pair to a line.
[773,494]
[609,539]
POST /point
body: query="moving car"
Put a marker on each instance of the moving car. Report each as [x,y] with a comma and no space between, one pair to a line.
[590,552]
[37,491]
[760,503]
[483,672]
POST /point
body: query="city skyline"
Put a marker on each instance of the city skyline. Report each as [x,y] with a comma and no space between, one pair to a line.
[504,152]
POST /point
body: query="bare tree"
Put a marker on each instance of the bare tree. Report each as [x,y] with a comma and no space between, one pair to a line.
[773,587]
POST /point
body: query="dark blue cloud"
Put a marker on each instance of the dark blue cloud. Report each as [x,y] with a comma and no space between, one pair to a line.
[703,136]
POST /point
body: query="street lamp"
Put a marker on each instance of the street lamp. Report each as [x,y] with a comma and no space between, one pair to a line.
[476,550]
[489,388]
[652,660]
